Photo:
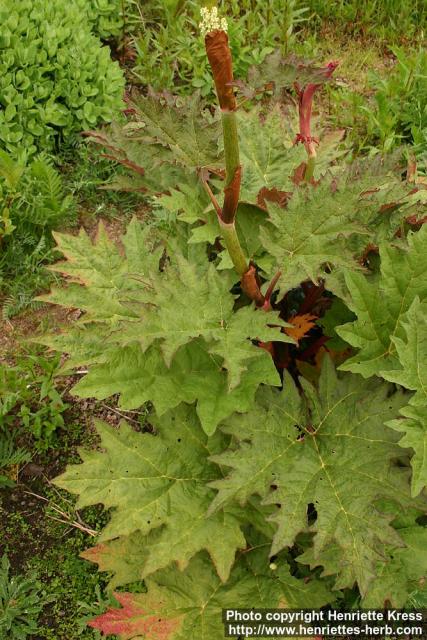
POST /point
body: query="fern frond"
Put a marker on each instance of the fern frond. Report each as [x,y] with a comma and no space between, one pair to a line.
[10,454]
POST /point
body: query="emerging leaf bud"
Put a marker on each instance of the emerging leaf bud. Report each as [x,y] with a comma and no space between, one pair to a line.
[305,96]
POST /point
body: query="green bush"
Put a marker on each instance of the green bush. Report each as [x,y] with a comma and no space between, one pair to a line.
[105,16]
[55,77]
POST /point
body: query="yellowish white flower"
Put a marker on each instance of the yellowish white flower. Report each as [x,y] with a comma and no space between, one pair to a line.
[211,21]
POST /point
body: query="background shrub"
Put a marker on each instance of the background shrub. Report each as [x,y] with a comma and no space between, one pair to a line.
[105,16]
[400,107]
[395,112]
[55,77]
[390,19]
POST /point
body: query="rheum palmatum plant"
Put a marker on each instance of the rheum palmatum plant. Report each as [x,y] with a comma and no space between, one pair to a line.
[272,320]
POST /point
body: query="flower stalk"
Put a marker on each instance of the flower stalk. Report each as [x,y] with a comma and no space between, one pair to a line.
[220,60]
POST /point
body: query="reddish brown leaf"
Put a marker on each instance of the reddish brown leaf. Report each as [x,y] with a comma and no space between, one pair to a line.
[387,207]
[273,195]
[299,173]
[267,346]
[301,326]
[94,554]
[132,621]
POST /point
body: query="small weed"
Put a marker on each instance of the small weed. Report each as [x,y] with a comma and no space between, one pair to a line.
[30,398]
[20,603]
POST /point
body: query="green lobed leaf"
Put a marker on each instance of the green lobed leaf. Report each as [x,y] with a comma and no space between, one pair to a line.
[267,153]
[165,140]
[405,572]
[155,320]
[330,450]
[412,353]
[194,376]
[309,236]
[159,481]
[193,301]
[414,425]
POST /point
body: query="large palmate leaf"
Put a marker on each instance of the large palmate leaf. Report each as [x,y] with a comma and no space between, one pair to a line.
[102,279]
[329,452]
[406,570]
[192,301]
[190,136]
[159,481]
[188,605]
[381,304]
[128,558]
[270,157]
[121,143]
[155,321]
[331,224]
[277,72]
[309,236]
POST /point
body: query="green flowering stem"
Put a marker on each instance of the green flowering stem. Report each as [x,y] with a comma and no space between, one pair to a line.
[220,60]
[231,144]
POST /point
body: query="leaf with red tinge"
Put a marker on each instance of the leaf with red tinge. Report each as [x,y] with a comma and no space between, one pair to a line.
[188,605]
[132,621]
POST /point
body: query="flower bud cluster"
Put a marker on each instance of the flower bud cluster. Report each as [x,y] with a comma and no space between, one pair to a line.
[211,21]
